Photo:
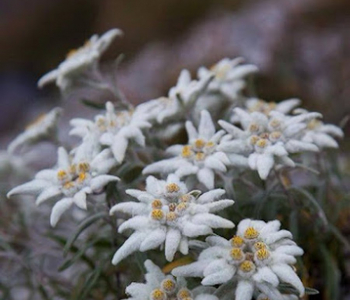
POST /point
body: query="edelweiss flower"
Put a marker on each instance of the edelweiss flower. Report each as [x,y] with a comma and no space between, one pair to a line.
[256,259]
[42,128]
[77,61]
[70,182]
[229,77]
[266,140]
[179,101]
[167,215]
[200,156]
[113,130]
[323,135]
[159,286]
[284,107]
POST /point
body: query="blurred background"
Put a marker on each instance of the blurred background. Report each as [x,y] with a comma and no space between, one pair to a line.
[301,47]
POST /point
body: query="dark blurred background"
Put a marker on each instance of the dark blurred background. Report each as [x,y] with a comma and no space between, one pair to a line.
[302,47]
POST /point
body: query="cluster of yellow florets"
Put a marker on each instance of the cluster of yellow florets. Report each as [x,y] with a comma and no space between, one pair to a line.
[198,150]
[74,175]
[169,290]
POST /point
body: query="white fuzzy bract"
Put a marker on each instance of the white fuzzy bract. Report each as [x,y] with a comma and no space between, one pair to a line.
[77,61]
[159,286]
[168,216]
[199,157]
[43,128]
[267,140]
[257,259]
[112,131]
[180,100]
[69,183]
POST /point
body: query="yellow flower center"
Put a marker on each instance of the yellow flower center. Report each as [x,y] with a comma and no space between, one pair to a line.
[61,174]
[262,254]
[84,167]
[171,216]
[210,144]
[185,198]
[168,285]
[73,169]
[236,253]
[157,214]
[264,135]
[182,206]
[254,127]
[259,245]
[68,185]
[262,143]
[157,203]
[186,151]
[275,123]
[237,241]
[199,143]
[183,294]
[254,139]
[158,294]
[246,266]
[200,156]
[251,233]
[82,177]
[313,124]
[275,135]
[172,188]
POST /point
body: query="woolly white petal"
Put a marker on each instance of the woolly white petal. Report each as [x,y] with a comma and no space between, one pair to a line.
[63,160]
[287,274]
[212,220]
[131,208]
[231,129]
[131,245]
[192,270]
[213,163]
[172,242]
[47,78]
[222,276]
[210,196]
[219,205]
[100,181]
[216,266]
[294,146]
[206,126]
[31,188]
[244,290]
[206,176]
[266,275]
[163,166]
[191,131]
[194,230]
[58,209]
[264,165]
[135,223]
[47,194]
[153,240]
[119,148]
[80,199]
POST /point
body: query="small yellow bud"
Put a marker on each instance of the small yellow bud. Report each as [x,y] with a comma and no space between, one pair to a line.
[210,144]
[157,203]
[157,214]
[61,174]
[186,151]
[158,294]
[172,206]
[171,216]
[254,139]
[251,233]
[84,167]
[181,207]
[82,177]
[172,188]
[200,156]
[274,123]
[168,285]
[259,245]
[254,127]
[183,294]
[237,241]
[262,254]
[185,198]
[199,143]
[236,253]
[262,143]
[246,266]
[68,185]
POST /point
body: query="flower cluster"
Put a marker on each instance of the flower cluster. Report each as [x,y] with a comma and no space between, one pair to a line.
[227,130]
[170,216]
[256,260]
[159,286]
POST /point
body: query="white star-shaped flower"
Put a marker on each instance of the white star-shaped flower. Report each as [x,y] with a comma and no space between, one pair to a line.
[168,216]
[69,182]
[113,130]
[322,135]
[229,77]
[199,157]
[44,127]
[266,140]
[180,99]
[79,60]
[258,105]
[257,259]
[159,286]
